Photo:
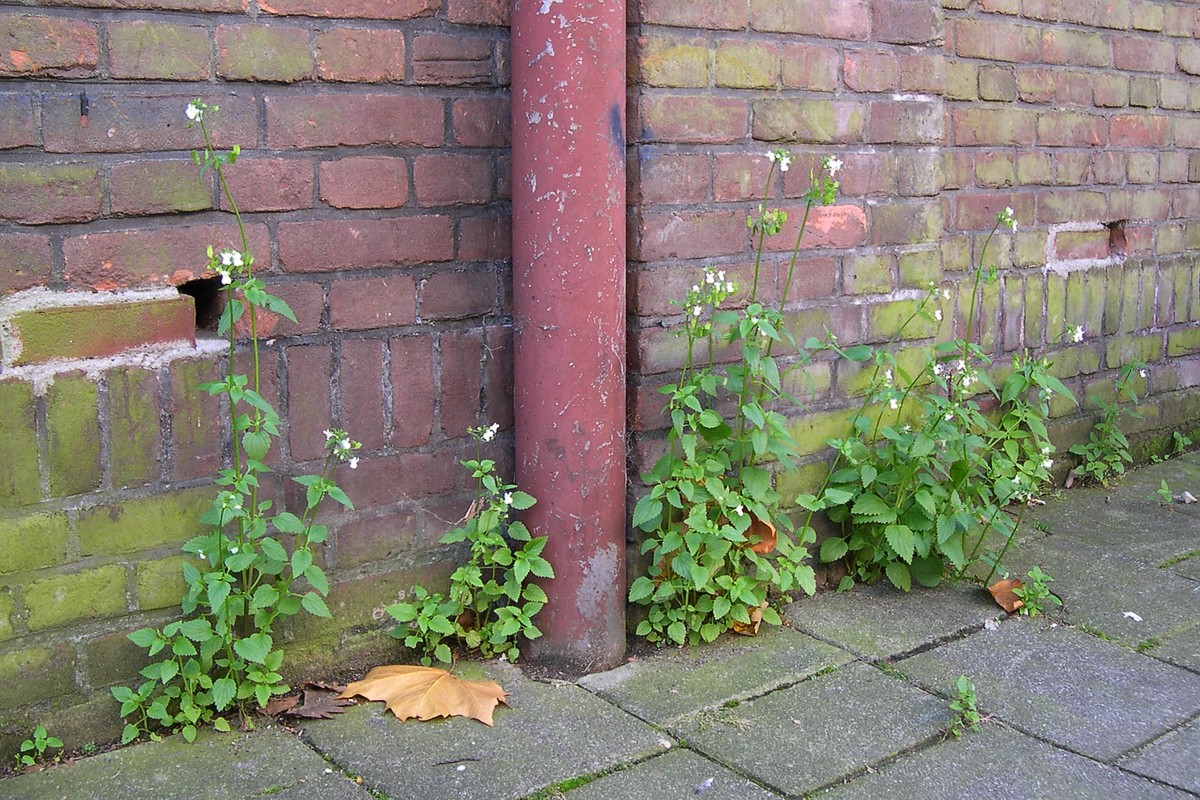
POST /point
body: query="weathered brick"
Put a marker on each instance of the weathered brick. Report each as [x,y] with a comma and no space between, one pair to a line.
[1071,245]
[327,245]
[1146,16]
[818,121]
[452,179]
[481,121]
[452,59]
[17,127]
[270,184]
[1071,206]
[692,234]
[1140,130]
[309,378]
[133,424]
[112,658]
[1110,91]
[684,14]
[1143,92]
[997,83]
[672,61]
[829,227]
[1069,46]
[352,9]
[36,673]
[1035,168]
[457,295]
[361,401]
[141,188]
[73,435]
[33,542]
[1142,167]
[145,50]
[76,597]
[1186,132]
[195,446]
[866,174]
[1173,166]
[460,391]
[50,47]
[478,12]
[151,256]
[278,53]
[1140,54]
[330,120]
[6,614]
[413,390]
[693,118]
[906,222]
[160,583]
[487,237]
[994,170]
[1144,204]
[1108,167]
[812,67]
[996,40]
[372,303]
[869,71]
[906,22]
[36,194]
[829,19]
[1173,94]
[921,72]
[376,539]
[907,122]
[126,123]
[163,5]
[745,65]
[365,182]
[1188,58]
[20,484]
[663,177]
[868,273]
[979,211]
[962,81]
[1178,20]
[987,126]
[919,268]
[1069,129]
[361,55]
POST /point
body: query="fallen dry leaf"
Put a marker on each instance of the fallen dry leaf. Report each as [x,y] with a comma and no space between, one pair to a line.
[762,534]
[319,703]
[278,705]
[1002,593]
[755,621]
[428,693]
[1187,498]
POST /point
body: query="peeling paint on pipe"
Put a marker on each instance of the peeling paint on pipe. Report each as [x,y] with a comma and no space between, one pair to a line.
[568,122]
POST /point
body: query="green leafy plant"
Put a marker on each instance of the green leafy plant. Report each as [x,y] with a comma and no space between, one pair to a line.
[965,708]
[717,542]
[491,602]
[1106,452]
[926,472]
[1034,594]
[221,657]
[1179,443]
[35,749]
[1163,493]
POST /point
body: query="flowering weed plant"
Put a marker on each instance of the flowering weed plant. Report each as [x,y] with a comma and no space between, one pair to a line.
[221,658]
[1106,452]
[491,603]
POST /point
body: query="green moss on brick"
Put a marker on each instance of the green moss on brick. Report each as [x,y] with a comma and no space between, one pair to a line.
[20,481]
[112,658]
[747,66]
[867,274]
[1183,342]
[1034,331]
[36,673]
[1122,350]
[900,319]
[670,62]
[143,524]
[919,268]
[72,436]
[63,599]
[134,424]
[6,612]
[264,53]
[788,120]
[802,480]
[160,583]
[1081,359]
[33,542]
[812,431]
[95,331]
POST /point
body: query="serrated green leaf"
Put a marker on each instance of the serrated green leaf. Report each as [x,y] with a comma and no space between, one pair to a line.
[833,548]
[898,574]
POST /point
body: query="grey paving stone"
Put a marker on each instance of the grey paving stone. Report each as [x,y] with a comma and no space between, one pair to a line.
[1097,589]
[679,773]
[1182,649]
[881,622]
[551,732]
[995,762]
[679,681]
[1173,759]
[1094,697]
[218,767]
[806,736]
[1188,568]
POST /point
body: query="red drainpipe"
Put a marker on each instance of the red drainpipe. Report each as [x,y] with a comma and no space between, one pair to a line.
[568,198]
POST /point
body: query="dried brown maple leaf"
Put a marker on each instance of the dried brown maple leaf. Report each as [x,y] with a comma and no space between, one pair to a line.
[278,705]
[319,703]
[762,534]
[428,693]
[755,621]
[1002,593]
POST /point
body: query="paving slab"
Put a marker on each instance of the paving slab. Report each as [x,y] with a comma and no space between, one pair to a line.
[1173,759]
[678,681]
[1062,685]
[798,739]
[1126,601]
[679,773]
[881,622]
[267,762]
[1181,649]
[550,732]
[1187,568]
[995,762]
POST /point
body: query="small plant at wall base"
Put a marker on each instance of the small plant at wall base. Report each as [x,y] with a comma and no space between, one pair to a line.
[491,603]
[716,538]
[36,749]
[221,658]
[916,497]
[1034,594]
[1106,453]
[965,707]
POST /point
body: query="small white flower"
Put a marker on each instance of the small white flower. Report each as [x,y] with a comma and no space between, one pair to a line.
[772,155]
[945,294]
[784,163]
[508,498]
[739,510]
[894,404]
[696,288]
[833,165]
[490,433]
[938,370]
[1077,333]
[937,314]
[202,556]
[233,550]
[887,376]
[1008,212]
[961,366]
[709,278]
[1143,373]
[328,434]
[729,287]
[354,462]
[226,278]
[697,311]
[949,416]
[1048,463]
[194,112]
[721,275]
[1046,450]
[344,444]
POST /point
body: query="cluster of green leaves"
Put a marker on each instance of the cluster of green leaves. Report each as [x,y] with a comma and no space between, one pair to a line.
[491,602]
[1034,593]
[221,657]
[717,542]
[36,748]
[1106,453]
[916,501]
[965,707]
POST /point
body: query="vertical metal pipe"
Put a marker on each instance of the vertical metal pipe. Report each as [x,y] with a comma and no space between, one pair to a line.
[568,125]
